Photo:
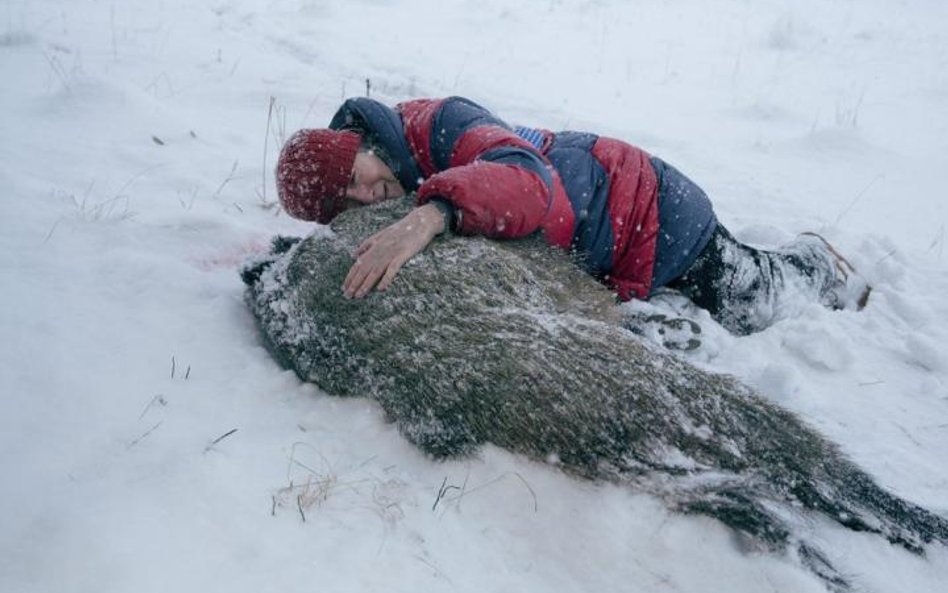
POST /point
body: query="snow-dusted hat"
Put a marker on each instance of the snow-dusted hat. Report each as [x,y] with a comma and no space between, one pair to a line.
[313,173]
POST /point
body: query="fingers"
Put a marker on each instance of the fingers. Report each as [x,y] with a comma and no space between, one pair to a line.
[390,274]
[363,277]
[364,246]
[372,264]
[381,256]
[366,271]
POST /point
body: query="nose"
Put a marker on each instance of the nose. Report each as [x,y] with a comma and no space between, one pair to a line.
[360,193]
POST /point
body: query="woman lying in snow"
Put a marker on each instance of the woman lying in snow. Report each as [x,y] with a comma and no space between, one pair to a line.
[634,222]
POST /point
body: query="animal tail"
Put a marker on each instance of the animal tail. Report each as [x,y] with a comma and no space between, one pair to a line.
[767,513]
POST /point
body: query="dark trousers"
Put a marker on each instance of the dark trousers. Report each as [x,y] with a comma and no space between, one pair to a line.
[746,289]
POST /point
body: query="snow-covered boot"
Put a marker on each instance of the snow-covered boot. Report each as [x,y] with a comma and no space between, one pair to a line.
[850,289]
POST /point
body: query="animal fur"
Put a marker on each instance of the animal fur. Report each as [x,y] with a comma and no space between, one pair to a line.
[511,343]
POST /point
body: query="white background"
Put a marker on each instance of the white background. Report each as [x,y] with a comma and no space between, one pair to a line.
[137,141]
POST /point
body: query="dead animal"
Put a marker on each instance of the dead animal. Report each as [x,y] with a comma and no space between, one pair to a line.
[509,342]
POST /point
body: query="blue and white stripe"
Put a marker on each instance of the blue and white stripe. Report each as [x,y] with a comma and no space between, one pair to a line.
[531,135]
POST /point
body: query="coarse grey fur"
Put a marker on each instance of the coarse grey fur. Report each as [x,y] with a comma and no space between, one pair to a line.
[509,342]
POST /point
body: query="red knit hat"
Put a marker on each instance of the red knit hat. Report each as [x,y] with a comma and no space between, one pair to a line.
[313,173]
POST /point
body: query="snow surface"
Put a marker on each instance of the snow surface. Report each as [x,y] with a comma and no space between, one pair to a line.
[137,141]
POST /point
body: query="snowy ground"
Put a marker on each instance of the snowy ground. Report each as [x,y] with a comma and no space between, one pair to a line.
[135,167]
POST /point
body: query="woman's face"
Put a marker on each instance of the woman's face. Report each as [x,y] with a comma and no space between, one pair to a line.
[372,181]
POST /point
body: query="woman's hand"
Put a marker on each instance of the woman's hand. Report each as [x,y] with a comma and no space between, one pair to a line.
[379,257]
